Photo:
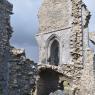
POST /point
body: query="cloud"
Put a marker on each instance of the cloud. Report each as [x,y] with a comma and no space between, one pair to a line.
[25,26]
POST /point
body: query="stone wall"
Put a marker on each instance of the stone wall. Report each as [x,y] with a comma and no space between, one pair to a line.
[53,16]
[77,32]
[75,75]
[87,86]
[75,61]
[22,74]
[69,77]
[72,39]
[80,78]
[17,73]
[5,34]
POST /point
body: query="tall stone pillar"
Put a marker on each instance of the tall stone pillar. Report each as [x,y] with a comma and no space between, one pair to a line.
[77,35]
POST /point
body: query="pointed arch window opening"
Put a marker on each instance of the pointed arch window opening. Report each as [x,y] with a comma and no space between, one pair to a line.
[54,52]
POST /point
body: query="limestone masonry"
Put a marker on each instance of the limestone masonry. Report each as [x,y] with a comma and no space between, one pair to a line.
[66,57]
[64,49]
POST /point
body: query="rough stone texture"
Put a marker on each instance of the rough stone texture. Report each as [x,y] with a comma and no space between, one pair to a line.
[5,34]
[62,36]
[58,26]
[22,74]
[65,69]
[76,43]
[75,60]
[64,21]
[52,12]
[92,37]
[87,86]
[67,72]
[72,38]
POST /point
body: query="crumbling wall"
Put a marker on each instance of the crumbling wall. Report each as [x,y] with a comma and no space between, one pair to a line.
[22,74]
[17,74]
[5,34]
[81,69]
[56,15]
[77,32]
[64,81]
[88,78]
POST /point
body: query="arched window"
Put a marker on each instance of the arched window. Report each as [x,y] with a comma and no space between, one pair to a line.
[54,53]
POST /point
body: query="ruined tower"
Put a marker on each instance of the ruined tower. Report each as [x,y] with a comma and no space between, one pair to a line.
[55,19]
[63,42]
[5,34]
[61,32]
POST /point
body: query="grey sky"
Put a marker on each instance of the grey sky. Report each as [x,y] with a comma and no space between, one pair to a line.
[91,6]
[25,24]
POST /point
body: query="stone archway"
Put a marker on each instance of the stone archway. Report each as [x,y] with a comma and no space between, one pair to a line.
[54,53]
[48,82]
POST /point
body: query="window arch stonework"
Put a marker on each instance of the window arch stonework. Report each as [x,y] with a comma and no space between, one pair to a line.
[53,51]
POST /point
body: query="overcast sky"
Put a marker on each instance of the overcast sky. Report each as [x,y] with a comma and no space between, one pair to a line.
[25,24]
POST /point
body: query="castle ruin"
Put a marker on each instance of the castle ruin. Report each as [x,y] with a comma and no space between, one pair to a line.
[66,59]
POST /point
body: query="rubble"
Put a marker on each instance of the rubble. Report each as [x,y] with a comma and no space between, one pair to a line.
[66,61]
[22,73]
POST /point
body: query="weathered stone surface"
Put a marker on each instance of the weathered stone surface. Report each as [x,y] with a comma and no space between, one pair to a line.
[61,21]
[87,86]
[54,16]
[59,92]
[73,43]
[67,72]
[5,34]
[17,73]
[72,39]
[77,32]
[92,37]
[22,73]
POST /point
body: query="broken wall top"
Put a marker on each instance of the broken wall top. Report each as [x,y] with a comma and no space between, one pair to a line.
[5,5]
